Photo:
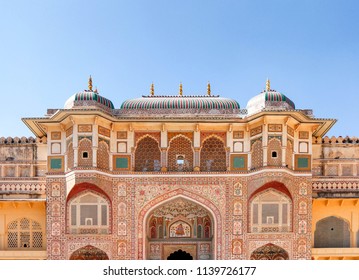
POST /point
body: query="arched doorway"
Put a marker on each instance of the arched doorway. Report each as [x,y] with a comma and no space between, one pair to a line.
[89,253]
[179,225]
[180,255]
[269,252]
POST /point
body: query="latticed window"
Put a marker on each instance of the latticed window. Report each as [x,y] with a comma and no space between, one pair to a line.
[289,154]
[25,234]
[274,157]
[213,155]
[85,152]
[257,154]
[270,212]
[180,155]
[147,155]
[89,214]
[103,155]
[70,156]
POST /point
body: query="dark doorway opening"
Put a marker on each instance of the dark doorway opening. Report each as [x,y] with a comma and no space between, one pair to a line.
[180,255]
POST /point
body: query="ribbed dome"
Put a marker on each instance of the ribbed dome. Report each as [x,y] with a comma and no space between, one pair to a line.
[88,98]
[269,99]
[180,104]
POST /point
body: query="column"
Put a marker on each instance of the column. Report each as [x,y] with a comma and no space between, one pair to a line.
[94,144]
[197,147]
[284,145]
[163,159]
[265,144]
[247,147]
[75,141]
[164,140]
[113,146]
[131,145]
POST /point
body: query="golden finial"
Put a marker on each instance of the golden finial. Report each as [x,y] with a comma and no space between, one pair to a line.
[152,91]
[268,85]
[180,89]
[208,89]
[90,83]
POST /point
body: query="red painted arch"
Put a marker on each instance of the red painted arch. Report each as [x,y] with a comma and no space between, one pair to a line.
[272,185]
[82,187]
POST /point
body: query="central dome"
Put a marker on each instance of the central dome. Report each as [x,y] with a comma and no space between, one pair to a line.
[180,104]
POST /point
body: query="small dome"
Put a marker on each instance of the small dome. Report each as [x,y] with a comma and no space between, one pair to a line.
[88,98]
[269,99]
[180,104]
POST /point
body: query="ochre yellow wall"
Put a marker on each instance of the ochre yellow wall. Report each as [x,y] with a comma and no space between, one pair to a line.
[347,209]
[10,211]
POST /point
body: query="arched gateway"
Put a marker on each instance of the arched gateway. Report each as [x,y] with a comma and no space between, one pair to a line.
[89,253]
[180,228]
[269,252]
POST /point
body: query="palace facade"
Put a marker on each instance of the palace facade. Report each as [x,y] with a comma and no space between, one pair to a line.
[179,177]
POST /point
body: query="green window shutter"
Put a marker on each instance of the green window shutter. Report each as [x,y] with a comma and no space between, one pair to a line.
[121,162]
[56,163]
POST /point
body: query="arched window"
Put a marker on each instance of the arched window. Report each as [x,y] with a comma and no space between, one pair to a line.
[147,155]
[85,152]
[270,212]
[25,234]
[274,157]
[180,154]
[103,155]
[257,154]
[213,155]
[70,156]
[89,214]
[289,154]
[332,232]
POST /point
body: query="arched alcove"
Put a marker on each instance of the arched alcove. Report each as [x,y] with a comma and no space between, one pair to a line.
[179,224]
[332,232]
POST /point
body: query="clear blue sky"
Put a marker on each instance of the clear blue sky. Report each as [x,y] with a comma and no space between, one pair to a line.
[309,49]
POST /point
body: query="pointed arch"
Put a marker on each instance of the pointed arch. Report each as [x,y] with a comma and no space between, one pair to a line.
[146,212]
[269,252]
[213,154]
[89,252]
[147,154]
[289,154]
[332,232]
[25,233]
[85,153]
[70,156]
[274,152]
[103,155]
[257,154]
[180,147]
[89,210]
[271,209]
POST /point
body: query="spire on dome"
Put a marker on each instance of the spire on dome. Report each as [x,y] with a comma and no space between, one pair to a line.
[208,89]
[90,83]
[268,85]
[180,90]
[152,90]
